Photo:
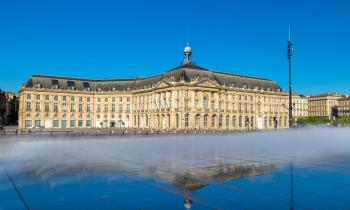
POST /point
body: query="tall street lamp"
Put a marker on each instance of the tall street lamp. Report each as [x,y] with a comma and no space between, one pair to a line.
[289,55]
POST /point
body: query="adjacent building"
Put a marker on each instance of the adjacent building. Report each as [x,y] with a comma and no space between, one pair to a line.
[187,97]
[300,106]
[324,105]
[344,106]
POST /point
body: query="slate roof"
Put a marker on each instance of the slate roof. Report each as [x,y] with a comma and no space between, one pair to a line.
[187,72]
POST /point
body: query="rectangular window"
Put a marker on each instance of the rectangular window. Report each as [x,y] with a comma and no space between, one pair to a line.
[28,124]
[88,123]
[37,123]
[29,96]
[205,103]
[47,107]
[88,99]
[64,98]
[55,124]
[47,97]
[37,97]
[29,106]
[72,123]
[80,123]
[64,107]
[37,106]
[72,98]
[55,107]
[128,108]
[64,124]
[55,98]
[88,108]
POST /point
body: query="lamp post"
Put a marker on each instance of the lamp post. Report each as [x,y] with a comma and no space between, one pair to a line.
[289,55]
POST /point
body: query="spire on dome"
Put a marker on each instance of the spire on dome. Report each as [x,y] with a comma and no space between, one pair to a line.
[188,54]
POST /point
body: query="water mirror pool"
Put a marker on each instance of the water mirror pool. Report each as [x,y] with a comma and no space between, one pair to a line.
[241,171]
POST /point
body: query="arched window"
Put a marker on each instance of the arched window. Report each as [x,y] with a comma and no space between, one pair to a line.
[158,120]
[197,120]
[213,121]
[168,120]
[206,120]
[220,121]
[227,121]
[138,121]
[186,120]
[246,122]
[233,121]
[177,121]
[285,121]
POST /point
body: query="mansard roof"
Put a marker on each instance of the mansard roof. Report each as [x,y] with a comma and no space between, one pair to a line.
[188,73]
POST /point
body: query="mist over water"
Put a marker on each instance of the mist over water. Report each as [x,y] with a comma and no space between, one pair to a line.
[47,157]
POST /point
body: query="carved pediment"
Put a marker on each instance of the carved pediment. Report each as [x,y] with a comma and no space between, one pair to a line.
[207,83]
[162,84]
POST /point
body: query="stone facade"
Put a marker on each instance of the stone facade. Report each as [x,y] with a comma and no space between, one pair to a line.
[344,107]
[324,105]
[300,106]
[187,97]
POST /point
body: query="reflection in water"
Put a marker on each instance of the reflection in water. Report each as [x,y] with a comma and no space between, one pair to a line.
[188,203]
[195,178]
[189,163]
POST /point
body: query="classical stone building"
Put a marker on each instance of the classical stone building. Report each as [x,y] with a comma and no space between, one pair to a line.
[187,97]
[324,105]
[300,106]
[344,107]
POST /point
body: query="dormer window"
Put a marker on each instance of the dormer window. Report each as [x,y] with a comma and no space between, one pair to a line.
[55,84]
[71,85]
[86,86]
[38,85]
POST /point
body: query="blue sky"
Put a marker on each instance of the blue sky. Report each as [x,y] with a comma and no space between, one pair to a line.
[119,39]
